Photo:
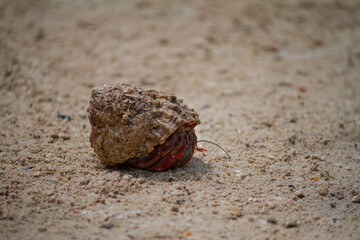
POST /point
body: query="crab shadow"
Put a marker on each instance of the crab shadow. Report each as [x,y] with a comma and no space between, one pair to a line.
[193,171]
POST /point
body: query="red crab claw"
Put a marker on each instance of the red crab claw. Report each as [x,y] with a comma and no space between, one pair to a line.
[169,160]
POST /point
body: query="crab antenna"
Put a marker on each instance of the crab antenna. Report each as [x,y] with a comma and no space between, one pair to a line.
[217,146]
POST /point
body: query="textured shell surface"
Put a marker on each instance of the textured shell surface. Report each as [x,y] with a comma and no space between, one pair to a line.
[127,121]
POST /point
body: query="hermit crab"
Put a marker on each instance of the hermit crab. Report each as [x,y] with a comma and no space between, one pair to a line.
[140,128]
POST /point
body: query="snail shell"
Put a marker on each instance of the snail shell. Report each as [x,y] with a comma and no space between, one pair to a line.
[127,121]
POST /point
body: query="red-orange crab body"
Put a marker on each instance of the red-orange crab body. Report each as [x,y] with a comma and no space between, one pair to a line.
[176,151]
[140,128]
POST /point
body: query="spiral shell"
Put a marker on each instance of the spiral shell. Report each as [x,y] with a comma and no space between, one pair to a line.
[127,121]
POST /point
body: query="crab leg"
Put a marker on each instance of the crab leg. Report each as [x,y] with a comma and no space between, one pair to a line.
[169,160]
[189,151]
[159,152]
[176,151]
[168,145]
[143,163]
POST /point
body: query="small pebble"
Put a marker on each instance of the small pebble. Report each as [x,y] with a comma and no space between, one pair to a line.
[356,199]
[272,220]
[243,176]
[40,35]
[353,192]
[302,89]
[108,225]
[293,120]
[66,137]
[272,205]
[284,84]
[299,194]
[85,182]
[263,222]
[127,176]
[175,208]
[64,116]
[141,180]
[54,136]
[291,223]
[235,212]
[324,191]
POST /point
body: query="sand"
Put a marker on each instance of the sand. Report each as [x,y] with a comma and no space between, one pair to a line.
[276,83]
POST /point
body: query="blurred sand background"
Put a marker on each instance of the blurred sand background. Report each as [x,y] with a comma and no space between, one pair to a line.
[276,83]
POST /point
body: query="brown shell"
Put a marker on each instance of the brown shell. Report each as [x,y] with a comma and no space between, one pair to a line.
[127,121]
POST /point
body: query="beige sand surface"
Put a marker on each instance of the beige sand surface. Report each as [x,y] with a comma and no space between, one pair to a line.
[276,83]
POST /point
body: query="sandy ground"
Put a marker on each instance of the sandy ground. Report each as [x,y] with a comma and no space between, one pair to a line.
[276,83]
